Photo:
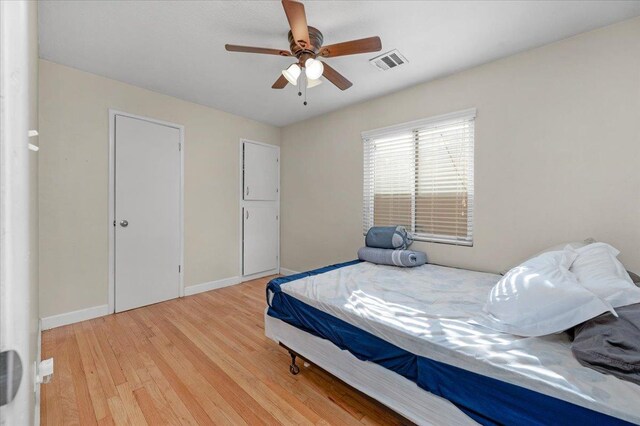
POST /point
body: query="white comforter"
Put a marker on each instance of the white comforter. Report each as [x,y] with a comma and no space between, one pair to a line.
[432,311]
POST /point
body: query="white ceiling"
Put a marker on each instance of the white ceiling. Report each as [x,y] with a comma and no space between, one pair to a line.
[177,47]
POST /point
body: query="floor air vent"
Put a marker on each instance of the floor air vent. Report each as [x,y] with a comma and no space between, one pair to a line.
[388,60]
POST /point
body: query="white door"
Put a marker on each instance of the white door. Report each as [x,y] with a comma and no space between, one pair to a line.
[260,204]
[147,212]
[260,238]
[260,172]
[19,394]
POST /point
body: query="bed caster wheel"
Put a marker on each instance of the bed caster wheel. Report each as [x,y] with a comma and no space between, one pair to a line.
[293,368]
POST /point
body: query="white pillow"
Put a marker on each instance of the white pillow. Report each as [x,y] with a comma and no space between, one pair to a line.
[598,270]
[540,297]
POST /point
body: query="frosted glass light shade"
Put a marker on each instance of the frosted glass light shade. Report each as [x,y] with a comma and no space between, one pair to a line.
[313,68]
[313,83]
[292,73]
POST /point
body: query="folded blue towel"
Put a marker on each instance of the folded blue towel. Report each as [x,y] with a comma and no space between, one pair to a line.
[406,258]
[388,237]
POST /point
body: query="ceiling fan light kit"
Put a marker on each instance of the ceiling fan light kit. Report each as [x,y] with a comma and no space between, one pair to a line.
[305,44]
[313,68]
[313,83]
[292,73]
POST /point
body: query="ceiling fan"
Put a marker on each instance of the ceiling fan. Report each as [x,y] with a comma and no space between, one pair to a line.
[305,44]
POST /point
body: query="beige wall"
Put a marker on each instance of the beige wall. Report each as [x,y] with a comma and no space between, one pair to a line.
[74,158]
[556,156]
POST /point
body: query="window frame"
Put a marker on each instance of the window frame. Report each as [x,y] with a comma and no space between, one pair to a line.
[414,127]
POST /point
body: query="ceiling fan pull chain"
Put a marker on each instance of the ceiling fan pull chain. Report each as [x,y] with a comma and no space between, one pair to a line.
[305,90]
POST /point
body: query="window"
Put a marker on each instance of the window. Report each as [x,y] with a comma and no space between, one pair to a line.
[420,175]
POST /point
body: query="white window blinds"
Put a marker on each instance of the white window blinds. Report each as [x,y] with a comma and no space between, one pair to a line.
[420,175]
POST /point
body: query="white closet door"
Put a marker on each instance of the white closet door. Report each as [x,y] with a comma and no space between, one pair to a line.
[260,172]
[147,213]
[260,238]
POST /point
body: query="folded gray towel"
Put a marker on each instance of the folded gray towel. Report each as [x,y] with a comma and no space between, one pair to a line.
[407,258]
[388,237]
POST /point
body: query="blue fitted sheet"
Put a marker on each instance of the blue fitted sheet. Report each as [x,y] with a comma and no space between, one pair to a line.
[487,400]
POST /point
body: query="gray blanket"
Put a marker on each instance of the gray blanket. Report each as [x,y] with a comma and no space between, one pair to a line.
[407,258]
[388,237]
[611,345]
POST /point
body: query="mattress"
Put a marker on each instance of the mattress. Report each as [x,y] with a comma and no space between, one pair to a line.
[424,323]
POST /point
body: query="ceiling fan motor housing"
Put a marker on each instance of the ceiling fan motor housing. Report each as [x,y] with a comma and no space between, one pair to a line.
[315,38]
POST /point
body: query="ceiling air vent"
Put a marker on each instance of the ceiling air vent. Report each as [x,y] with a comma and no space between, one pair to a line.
[388,60]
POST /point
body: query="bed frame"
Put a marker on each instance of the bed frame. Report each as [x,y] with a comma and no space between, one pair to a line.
[385,386]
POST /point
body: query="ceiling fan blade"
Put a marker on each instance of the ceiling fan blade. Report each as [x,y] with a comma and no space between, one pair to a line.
[298,22]
[280,83]
[335,77]
[263,50]
[364,45]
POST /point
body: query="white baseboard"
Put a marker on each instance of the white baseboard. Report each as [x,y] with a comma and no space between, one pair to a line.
[75,316]
[260,275]
[285,271]
[99,311]
[211,285]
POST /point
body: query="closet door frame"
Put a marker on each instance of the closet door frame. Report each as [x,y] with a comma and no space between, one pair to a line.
[111,214]
[241,205]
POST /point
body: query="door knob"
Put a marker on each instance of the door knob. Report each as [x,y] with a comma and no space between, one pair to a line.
[124,223]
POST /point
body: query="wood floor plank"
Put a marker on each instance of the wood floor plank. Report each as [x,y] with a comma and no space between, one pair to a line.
[208,398]
[118,411]
[149,410]
[198,360]
[62,383]
[91,374]
[183,392]
[134,411]
[241,401]
[212,345]
[160,404]
[240,389]
[118,341]
[86,412]
[115,371]
[161,389]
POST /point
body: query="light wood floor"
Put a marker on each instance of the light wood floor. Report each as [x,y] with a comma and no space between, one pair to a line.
[201,359]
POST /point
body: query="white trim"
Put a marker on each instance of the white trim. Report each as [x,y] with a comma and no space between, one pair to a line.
[285,271]
[241,204]
[410,125]
[260,275]
[211,285]
[111,212]
[74,317]
[36,415]
[17,252]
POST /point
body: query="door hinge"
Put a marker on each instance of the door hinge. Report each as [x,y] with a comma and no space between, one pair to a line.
[179,268]
[277,217]
[179,146]
[114,223]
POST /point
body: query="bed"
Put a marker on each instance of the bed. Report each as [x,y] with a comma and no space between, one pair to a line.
[412,339]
